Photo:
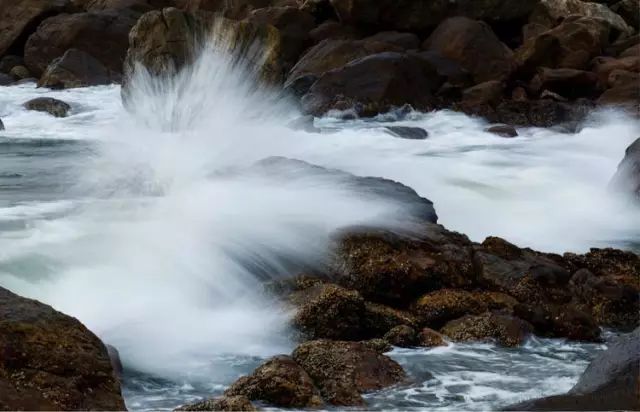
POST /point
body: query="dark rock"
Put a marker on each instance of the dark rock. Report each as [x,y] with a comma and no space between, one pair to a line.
[504,329]
[9,62]
[405,132]
[1,125]
[280,381]
[474,46]
[408,15]
[331,312]
[5,79]
[503,130]
[629,10]
[224,403]
[382,318]
[54,107]
[76,69]
[116,362]
[331,29]
[103,35]
[403,336]
[429,338]
[486,93]
[393,269]
[441,306]
[627,177]
[549,12]
[379,345]
[140,6]
[609,383]
[560,321]
[375,84]
[533,113]
[603,66]
[572,45]
[344,370]
[50,361]
[406,41]
[570,83]
[20,73]
[19,19]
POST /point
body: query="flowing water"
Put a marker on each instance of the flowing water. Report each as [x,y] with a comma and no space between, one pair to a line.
[140,224]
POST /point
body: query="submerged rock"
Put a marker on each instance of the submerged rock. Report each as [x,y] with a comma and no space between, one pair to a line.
[506,330]
[1,125]
[50,361]
[403,336]
[344,370]
[280,381]
[405,132]
[610,382]
[503,130]
[54,107]
[223,403]
[430,338]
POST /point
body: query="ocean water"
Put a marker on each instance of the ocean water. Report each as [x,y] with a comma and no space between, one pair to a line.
[137,223]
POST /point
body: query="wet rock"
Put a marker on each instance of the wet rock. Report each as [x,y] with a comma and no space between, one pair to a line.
[621,266]
[603,66]
[612,303]
[503,130]
[382,318]
[571,45]
[389,268]
[570,83]
[20,73]
[19,19]
[375,84]
[54,107]
[103,35]
[473,45]
[1,125]
[280,381]
[331,312]
[429,338]
[504,329]
[76,69]
[332,29]
[5,79]
[486,93]
[379,345]
[344,370]
[9,62]
[538,113]
[50,361]
[405,132]
[610,382]
[560,321]
[403,336]
[437,308]
[223,403]
[623,95]
[627,177]
[305,123]
[629,10]
[116,362]
[549,12]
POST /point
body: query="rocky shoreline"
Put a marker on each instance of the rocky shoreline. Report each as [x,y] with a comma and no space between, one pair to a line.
[542,63]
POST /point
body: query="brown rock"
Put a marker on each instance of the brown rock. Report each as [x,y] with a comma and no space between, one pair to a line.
[18,19]
[20,73]
[550,12]
[629,10]
[50,361]
[503,130]
[331,29]
[560,321]
[626,180]
[604,66]
[406,41]
[76,69]
[140,6]
[403,336]
[344,370]
[429,338]
[10,61]
[103,35]
[381,318]
[437,308]
[474,46]
[506,330]
[570,83]
[223,403]
[54,107]
[280,381]
[486,93]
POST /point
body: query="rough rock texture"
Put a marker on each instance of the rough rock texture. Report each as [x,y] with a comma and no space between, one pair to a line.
[50,361]
[474,46]
[19,18]
[549,12]
[375,84]
[627,178]
[224,403]
[506,330]
[54,107]
[560,321]
[102,35]
[430,338]
[611,382]
[344,370]
[76,69]
[280,381]
[403,336]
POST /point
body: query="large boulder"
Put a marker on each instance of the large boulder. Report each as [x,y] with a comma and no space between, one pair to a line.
[629,10]
[627,178]
[375,84]
[103,35]
[18,19]
[549,12]
[420,16]
[504,329]
[54,107]
[572,45]
[474,46]
[342,371]
[50,361]
[610,382]
[76,69]
[280,381]
[140,6]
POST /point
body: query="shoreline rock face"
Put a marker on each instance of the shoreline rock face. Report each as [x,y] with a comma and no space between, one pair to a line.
[50,361]
[610,382]
[627,178]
